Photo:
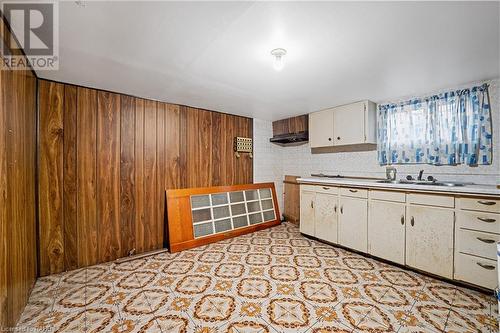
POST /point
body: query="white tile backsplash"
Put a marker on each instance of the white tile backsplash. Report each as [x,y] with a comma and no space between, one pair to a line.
[272,162]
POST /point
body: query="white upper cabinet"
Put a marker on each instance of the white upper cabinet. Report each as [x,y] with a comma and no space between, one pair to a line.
[321,128]
[348,124]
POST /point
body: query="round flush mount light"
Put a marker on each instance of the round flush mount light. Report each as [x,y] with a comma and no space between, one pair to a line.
[279,58]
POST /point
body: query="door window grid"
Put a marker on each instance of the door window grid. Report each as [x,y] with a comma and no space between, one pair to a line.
[231,217]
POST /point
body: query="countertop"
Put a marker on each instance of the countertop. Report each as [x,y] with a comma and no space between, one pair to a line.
[476,189]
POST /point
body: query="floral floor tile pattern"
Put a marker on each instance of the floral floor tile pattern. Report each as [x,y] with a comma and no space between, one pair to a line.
[272,281]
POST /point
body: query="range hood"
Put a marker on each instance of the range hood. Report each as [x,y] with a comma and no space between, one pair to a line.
[291,139]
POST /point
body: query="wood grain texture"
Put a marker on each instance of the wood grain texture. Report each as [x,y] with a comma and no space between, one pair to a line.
[4,318]
[139,176]
[51,177]
[17,188]
[173,147]
[86,176]
[150,195]
[128,152]
[69,178]
[127,175]
[108,176]
[291,199]
[160,175]
[180,223]
[291,125]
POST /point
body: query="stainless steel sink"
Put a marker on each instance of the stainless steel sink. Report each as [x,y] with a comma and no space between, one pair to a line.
[402,181]
[420,182]
[451,184]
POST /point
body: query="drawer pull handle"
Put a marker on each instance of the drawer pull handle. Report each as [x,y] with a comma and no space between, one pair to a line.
[325,188]
[402,219]
[488,267]
[486,240]
[487,220]
[412,221]
[353,191]
[487,203]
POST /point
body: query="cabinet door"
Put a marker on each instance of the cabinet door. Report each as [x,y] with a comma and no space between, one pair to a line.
[353,223]
[429,240]
[349,124]
[325,214]
[307,212]
[386,230]
[321,128]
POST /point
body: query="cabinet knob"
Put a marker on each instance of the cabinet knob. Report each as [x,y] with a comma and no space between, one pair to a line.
[335,208]
[402,219]
[342,209]
[338,138]
[329,139]
[312,204]
[412,221]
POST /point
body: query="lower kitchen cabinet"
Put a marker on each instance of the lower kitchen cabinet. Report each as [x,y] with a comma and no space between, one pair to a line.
[429,240]
[386,230]
[413,229]
[353,223]
[307,212]
[325,214]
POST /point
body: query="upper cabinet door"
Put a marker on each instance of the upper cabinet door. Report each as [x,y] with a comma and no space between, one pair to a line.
[321,128]
[349,124]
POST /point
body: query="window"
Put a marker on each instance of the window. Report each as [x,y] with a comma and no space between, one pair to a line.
[449,128]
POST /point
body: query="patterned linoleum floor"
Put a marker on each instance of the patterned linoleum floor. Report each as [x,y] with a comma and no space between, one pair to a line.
[269,281]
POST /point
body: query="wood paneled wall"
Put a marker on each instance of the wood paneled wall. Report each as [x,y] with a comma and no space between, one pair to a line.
[105,162]
[17,188]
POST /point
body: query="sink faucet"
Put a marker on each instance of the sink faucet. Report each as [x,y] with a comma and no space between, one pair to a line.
[420,174]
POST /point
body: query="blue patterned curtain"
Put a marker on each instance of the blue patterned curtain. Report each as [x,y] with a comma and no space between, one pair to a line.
[446,129]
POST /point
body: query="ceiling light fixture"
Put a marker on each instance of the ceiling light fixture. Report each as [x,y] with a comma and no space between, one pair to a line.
[279,58]
[81,3]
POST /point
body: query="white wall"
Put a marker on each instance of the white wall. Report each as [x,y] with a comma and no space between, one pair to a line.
[268,157]
[272,162]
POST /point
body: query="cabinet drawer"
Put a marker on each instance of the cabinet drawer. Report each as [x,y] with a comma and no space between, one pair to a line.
[310,188]
[327,189]
[482,205]
[431,200]
[388,196]
[354,192]
[478,271]
[479,221]
[481,244]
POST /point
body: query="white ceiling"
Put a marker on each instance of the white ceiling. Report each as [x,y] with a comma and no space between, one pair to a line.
[215,55]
